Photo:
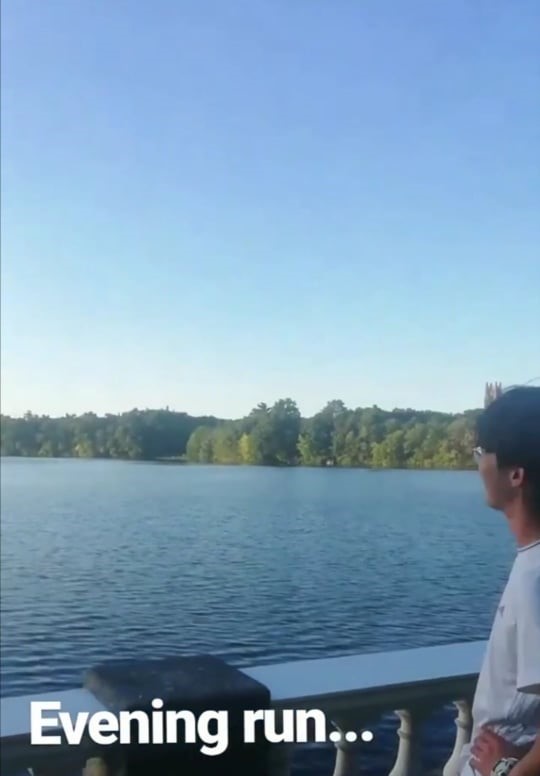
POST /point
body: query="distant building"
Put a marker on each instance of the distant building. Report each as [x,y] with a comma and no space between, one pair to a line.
[492,392]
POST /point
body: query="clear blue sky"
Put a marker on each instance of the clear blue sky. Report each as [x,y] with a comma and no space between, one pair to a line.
[211,203]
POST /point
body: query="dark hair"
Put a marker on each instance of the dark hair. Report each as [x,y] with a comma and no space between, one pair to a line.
[509,427]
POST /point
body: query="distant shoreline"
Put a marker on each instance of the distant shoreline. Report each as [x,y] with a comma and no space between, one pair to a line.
[195,464]
[337,436]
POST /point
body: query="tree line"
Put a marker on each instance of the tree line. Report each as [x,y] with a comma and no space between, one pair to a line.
[135,435]
[274,435]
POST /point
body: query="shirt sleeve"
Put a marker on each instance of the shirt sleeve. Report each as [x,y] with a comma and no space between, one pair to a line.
[528,634]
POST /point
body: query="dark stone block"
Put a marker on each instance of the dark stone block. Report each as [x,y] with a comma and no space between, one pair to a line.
[195,684]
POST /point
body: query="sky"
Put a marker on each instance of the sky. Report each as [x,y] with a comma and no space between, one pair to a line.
[210,204]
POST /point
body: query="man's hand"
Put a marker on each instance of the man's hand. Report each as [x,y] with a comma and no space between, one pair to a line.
[488,748]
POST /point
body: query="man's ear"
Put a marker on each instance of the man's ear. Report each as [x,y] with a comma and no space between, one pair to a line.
[517,477]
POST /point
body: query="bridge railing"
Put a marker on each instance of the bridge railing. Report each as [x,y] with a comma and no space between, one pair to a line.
[353,693]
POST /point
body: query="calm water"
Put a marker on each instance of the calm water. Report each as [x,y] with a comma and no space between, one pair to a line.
[257,565]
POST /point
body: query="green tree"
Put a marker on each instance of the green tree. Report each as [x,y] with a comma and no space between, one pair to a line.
[284,423]
[225,445]
[247,448]
[307,450]
[317,444]
[390,453]
[199,447]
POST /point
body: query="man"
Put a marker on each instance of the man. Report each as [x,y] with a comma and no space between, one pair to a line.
[506,708]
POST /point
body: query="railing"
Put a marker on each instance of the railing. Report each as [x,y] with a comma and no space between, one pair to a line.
[354,692]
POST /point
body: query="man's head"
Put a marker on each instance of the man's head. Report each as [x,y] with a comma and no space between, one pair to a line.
[508,453]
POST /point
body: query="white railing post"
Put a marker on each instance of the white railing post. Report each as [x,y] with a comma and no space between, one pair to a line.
[346,726]
[408,760]
[346,758]
[463,736]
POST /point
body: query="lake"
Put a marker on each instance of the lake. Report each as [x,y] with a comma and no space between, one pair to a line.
[256,565]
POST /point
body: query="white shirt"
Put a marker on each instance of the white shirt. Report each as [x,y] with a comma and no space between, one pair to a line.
[507,695]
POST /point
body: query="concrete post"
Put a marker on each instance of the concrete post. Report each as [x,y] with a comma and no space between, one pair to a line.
[184,684]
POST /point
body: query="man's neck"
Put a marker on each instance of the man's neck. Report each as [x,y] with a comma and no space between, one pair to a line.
[525,529]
